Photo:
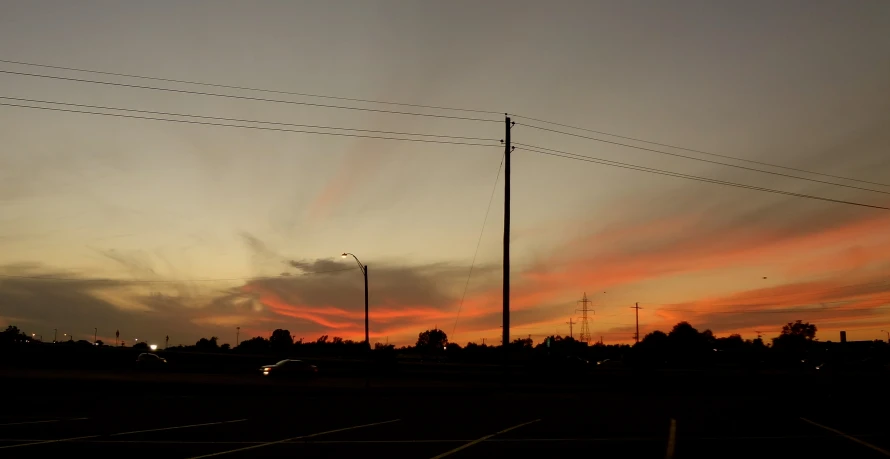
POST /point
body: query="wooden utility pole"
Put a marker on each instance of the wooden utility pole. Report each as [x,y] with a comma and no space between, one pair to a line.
[571,333]
[506,294]
[637,334]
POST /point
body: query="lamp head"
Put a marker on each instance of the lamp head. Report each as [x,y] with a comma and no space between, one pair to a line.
[344,255]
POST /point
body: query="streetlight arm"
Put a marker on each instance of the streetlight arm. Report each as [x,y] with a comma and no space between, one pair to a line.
[360,264]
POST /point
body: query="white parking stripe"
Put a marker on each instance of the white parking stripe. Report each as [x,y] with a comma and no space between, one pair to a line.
[479,440]
[28,422]
[48,441]
[672,440]
[261,445]
[177,427]
[848,437]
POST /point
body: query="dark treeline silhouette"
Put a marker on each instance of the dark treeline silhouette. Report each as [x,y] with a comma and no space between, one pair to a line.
[682,347]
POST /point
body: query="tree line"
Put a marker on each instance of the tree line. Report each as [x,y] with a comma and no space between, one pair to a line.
[682,345]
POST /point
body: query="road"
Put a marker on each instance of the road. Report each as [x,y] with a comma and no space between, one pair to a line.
[256,422]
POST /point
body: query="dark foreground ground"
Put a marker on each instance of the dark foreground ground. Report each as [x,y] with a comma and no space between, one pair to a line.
[59,417]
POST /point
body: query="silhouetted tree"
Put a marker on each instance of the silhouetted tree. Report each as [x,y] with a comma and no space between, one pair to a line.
[522,343]
[432,340]
[207,345]
[795,336]
[657,338]
[731,342]
[256,345]
[322,339]
[225,347]
[336,340]
[281,340]
[12,334]
[684,334]
[142,346]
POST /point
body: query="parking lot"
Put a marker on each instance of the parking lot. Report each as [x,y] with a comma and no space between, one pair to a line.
[437,426]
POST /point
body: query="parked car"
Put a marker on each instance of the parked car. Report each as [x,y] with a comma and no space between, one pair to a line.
[147,360]
[290,369]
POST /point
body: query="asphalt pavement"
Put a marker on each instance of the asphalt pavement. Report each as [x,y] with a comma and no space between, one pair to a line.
[251,423]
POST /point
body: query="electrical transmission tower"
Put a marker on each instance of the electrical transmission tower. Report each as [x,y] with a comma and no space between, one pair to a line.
[585,325]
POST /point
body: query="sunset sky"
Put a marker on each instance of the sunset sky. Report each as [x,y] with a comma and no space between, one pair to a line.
[156,228]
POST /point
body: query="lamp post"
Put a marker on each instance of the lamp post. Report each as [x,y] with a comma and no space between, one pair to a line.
[364,269]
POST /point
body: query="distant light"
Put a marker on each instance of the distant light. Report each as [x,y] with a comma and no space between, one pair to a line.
[344,255]
[153,347]
[137,339]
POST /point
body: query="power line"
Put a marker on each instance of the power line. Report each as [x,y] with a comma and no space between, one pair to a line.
[694,150]
[478,243]
[169,281]
[246,88]
[243,120]
[247,127]
[705,160]
[575,156]
[259,99]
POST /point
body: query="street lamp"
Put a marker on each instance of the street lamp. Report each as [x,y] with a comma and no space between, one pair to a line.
[364,269]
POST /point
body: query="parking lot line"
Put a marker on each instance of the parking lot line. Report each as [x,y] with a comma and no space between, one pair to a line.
[28,422]
[261,445]
[848,437]
[672,440]
[177,427]
[48,441]
[479,440]
[381,442]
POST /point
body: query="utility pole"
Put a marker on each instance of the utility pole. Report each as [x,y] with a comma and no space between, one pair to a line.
[95,334]
[506,295]
[55,334]
[237,336]
[483,341]
[166,342]
[367,336]
[571,333]
[637,334]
